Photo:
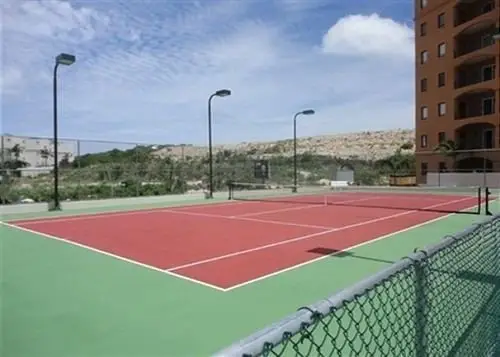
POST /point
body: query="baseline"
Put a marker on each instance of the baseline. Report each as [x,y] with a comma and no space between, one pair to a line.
[114,256]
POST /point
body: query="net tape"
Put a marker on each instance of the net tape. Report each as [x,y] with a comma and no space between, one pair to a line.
[443,300]
[466,200]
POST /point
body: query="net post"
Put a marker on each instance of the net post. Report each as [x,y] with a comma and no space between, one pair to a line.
[479,197]
[230,190]
[487,200]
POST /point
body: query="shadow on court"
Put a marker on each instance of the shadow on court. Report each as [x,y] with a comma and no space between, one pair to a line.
[335,253]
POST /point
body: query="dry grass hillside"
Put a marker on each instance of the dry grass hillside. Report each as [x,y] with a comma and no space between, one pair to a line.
[363,145]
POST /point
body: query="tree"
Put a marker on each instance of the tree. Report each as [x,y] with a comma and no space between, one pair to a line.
[16,151]
[407,146]
[449,149]
[45,154]
[64,163]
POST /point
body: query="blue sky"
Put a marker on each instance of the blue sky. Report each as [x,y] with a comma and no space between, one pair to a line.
[145,69]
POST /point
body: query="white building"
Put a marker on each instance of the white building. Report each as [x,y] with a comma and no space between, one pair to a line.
[37,152]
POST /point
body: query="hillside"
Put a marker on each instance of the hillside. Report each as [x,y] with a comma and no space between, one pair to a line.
[149,170]
[367,145]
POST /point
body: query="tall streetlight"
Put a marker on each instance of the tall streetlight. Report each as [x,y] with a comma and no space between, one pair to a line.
[67,60]
[304,112]
[219,93]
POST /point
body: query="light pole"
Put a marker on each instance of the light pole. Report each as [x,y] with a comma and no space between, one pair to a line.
[219,93]
[304,112]
[67,60]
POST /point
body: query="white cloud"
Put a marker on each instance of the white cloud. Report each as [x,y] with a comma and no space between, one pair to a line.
[144,73]
[11,80]
[369,35]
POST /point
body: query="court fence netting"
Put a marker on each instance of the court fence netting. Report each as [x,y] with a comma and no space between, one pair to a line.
[443,300]
[453,199]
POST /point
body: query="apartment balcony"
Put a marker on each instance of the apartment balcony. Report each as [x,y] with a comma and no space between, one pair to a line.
[475,76]
[477,146]
[476,44]
[476,137]
[479,10]
[475,106]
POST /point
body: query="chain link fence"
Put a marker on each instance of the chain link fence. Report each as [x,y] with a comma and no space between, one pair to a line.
[93,169]
[441,301]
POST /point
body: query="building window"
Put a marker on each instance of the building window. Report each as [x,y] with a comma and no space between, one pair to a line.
[441,109]
[489,6]
[441,136]
[487,40]
[488,106]
[488,72]
[423,168]
[423,4]
[423,85]
[462,138]
[424,113]
[441,20]
[488,139]
[424,56]
[462,109]
[441,79]
[442,166]
[423,141]
[423,29]
[441,49]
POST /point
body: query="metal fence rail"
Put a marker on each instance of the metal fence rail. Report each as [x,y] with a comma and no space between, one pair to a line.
[441,301]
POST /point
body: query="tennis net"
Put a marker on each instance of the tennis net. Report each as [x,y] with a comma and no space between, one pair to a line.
[467,200]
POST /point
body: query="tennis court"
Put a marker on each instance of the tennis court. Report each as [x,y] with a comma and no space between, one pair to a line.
[186,280]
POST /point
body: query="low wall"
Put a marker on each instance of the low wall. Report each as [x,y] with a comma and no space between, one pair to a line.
[407,180]
[489,179]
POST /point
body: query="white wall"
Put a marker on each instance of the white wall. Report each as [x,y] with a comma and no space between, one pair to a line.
[31,149]
[473,179]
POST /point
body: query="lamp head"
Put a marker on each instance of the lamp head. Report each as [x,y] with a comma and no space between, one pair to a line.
[307,112]
[223,93]
[65,59]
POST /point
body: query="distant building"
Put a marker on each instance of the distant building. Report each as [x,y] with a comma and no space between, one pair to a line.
[37,152]
[457,84]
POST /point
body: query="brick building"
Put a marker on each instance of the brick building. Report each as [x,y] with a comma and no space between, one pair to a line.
[457,85]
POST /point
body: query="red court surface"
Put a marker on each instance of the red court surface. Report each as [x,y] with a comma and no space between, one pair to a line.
[232,244]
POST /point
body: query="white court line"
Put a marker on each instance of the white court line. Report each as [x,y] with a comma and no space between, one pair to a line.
[202,282]
[283,223]
[295,208]
[263,277]
[194,214]
[118,213]
[307,236]
[118,257]
[235,218]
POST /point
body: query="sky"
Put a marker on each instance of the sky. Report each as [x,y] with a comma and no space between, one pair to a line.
[145,69]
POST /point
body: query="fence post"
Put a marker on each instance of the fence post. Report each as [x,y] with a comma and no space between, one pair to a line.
[420,307]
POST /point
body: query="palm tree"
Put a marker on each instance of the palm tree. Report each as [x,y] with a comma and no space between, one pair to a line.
[448,148]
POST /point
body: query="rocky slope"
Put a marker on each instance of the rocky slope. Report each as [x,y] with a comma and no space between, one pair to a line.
[363,145]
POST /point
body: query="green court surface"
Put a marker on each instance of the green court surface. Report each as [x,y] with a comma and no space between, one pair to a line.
[61,300]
